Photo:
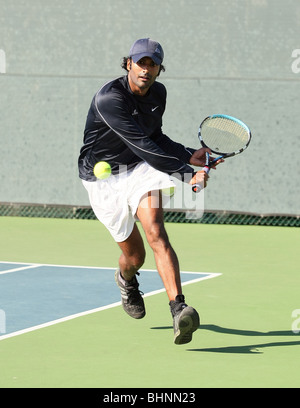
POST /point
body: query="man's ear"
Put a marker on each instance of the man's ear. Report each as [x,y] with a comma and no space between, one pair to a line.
[129,63]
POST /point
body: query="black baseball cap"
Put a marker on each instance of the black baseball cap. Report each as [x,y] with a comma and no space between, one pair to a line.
[145,47]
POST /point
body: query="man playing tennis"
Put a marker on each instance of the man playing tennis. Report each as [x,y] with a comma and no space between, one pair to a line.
[124,128]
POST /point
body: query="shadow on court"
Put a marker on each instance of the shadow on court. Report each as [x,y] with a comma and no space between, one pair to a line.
[244,349]
[219,329]
[247,349]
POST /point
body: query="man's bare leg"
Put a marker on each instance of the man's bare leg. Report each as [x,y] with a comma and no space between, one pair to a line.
[185,318]
[133,254]
[150,214]
[131,259]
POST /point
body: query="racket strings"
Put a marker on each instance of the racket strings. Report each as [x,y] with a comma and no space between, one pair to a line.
[223,135]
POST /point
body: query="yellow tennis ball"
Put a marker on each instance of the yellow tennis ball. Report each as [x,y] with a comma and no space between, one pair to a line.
[168,192]
[102,170]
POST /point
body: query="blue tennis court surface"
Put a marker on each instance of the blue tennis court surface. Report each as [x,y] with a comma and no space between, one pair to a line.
[35,294]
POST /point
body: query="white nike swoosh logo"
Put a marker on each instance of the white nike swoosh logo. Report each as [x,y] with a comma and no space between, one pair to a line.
[153,109]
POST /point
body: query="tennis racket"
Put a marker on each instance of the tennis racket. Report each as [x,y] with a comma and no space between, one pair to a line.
[223,135]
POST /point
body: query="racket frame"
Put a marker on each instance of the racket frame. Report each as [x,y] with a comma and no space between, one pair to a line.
[222,154]
[197,187]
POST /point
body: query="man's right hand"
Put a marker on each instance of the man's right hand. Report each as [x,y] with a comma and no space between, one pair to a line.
[201,177]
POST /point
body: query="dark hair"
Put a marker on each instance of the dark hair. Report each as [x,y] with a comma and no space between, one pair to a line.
[124,65]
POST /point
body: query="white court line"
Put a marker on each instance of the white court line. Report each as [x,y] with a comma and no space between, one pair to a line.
[21,268]
[99,309]
[53,322]
[36,265]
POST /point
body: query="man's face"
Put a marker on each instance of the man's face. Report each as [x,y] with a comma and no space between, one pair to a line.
[142,75]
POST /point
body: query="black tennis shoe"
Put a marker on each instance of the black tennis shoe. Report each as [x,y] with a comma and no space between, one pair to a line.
[132,300]
[185,320]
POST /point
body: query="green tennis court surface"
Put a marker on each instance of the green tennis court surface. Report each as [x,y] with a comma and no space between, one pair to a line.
[247,336]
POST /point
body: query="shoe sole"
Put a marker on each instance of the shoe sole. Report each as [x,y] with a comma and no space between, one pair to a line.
[188,323]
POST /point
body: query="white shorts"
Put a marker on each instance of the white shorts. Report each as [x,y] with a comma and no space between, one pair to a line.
[115,200]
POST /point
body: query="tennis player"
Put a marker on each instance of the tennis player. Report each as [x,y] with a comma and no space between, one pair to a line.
[124,128]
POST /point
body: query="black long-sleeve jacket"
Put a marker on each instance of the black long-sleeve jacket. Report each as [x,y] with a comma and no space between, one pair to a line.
[124,129]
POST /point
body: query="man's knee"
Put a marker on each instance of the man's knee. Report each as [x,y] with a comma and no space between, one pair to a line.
[139,259]
[135,259]
[156,234]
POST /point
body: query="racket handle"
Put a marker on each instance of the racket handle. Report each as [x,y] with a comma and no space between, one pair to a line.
[215,160]
[197,187]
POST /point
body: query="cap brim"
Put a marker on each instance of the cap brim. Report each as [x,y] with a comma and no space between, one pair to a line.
[137,57]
